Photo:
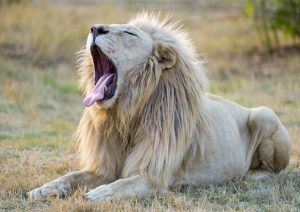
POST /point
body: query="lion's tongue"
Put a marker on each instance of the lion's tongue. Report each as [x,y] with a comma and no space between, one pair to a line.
[98,92]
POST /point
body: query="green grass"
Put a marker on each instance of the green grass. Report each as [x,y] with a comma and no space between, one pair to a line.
[40,106]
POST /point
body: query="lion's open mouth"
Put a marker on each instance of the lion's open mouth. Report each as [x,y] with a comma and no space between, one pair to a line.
[105,77]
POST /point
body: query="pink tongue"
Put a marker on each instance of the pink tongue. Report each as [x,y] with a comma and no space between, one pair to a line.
[98,92]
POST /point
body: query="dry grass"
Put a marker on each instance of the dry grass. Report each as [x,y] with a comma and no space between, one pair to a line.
[40,105]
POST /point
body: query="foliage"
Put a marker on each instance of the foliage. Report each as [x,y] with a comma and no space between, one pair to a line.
[287,17]
[272,16]
[11,1]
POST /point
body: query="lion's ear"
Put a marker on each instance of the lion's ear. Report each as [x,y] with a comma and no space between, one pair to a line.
[166,56]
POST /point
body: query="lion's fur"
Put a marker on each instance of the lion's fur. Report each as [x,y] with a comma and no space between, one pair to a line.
[160,128]
[153,134]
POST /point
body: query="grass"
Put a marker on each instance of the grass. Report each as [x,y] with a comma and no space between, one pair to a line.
[40,105]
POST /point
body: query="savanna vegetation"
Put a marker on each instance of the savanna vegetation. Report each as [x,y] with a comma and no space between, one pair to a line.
[40,103]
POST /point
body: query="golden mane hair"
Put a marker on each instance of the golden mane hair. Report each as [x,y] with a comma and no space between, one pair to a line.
[150,128]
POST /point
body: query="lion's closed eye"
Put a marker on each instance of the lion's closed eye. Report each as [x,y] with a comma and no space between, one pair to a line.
[130,33]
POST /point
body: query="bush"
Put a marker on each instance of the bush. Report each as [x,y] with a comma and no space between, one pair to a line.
[273,16]
[287,17]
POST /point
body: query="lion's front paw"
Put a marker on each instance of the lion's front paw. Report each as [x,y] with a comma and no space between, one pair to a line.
[100,194]
[55,188]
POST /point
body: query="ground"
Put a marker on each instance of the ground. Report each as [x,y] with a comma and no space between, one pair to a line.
[40,105]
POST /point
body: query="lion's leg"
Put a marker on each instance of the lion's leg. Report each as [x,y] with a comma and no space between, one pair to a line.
[62,186]
[128,187]
[270,144]
[257,174]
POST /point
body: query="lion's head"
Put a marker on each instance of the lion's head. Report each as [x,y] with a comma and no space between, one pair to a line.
[123,63]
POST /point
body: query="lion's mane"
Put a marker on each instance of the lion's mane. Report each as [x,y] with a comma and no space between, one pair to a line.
[153,124]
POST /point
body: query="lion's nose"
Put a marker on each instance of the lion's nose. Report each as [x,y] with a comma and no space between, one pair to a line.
[98,30]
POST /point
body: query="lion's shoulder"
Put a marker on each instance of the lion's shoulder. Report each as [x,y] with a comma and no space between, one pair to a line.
[217,98]
[224,104]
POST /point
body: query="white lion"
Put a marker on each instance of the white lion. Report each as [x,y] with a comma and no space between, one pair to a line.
[149,125]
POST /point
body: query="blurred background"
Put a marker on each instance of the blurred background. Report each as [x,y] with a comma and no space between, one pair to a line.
[251,50]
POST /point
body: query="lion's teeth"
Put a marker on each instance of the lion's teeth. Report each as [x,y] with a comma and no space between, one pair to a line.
[105,89]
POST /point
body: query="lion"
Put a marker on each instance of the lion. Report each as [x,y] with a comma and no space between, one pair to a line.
[150,125]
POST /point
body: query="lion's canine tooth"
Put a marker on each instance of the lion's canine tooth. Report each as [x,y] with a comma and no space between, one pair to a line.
[105,89]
